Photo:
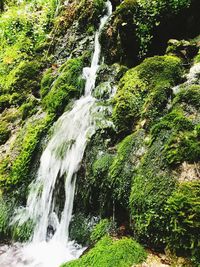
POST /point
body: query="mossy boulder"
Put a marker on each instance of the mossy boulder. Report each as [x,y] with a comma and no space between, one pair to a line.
[128,155]
[152,184]
[69,84]
[109,252]
[24,78]
[152,78]
[15,171]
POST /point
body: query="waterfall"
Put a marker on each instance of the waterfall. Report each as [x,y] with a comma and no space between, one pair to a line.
[59,162]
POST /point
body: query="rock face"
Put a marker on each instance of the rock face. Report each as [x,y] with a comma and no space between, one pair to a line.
[141,167]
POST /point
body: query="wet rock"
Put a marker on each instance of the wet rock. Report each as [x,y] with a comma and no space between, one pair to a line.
[184,49]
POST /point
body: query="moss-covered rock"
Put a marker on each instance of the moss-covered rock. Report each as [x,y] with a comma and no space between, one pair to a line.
[68,84]
[152,184]
[108,253]
[152,78]
[94,194]
[183,212]
[15,171]
[129,152]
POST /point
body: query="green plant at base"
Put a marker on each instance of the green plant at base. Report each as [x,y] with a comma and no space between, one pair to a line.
[22,233]
[5,214]
[108,253]
[101,229]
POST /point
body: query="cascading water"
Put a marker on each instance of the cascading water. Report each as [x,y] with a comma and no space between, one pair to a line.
[59,162]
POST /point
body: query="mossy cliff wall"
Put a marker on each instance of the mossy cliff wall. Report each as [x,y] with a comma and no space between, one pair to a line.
[141,168]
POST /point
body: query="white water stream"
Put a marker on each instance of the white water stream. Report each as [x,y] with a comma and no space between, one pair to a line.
[59,163]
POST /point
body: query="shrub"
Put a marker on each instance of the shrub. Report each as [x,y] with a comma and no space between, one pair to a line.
[22,233]
[80,229]
[101,229]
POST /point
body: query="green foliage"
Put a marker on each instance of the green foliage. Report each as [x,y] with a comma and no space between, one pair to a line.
[24,28]
[69,84]
[133,27]
[154,76]
[101,229]
[108,253]
[5,213]
[80,229]
[4,132]
[183,212]
[22,233]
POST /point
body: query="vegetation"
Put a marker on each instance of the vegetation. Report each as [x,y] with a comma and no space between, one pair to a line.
[153,78]
[69,84]
[132,31]
[183,213]
[141,167]
[108,252]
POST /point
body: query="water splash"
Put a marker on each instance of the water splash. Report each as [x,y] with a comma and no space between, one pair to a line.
[59,163]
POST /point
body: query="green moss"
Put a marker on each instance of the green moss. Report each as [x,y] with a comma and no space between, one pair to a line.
[154,76]
[17,173]
[46,82]
[24,77]
[152,183]
[108,253]
[183,147]
[183,142]
[4,132]
[29,108]
[183,212]
[88,13]
[69,84]
[4,102]
[190,95]
[123,166]
[101,166]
